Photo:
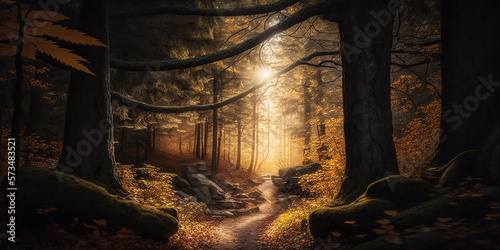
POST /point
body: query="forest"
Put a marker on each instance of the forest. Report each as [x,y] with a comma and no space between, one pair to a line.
[250,124]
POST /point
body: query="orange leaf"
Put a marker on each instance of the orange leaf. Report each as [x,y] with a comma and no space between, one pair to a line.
[390,212]
[383,222]
[444,220]
[349,222]
[336,234]
[394,240]
[388,227]
[360,236]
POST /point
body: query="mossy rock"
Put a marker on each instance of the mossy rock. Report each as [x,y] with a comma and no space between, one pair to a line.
[458,168]
[421,241]
[75,197]
[363,212]
[401,190]
[457,206]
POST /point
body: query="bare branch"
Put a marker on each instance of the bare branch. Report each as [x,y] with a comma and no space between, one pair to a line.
[182,109]
[243,11]
[298,17]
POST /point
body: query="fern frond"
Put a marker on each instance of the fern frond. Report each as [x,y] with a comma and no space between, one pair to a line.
[68,35]
[60,54]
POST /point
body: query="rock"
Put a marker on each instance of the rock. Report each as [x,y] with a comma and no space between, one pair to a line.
[238,191]
[179,182]
[203,194]
[241,196]
[229,204]
[183,195]
[221,213]
[244,211]
[277,181]
[401,190]
[255,193]
[200,180]
[364,212]
[199,167]
[297,171]
[249,201]
[228,186]
[458,168]
[75,197]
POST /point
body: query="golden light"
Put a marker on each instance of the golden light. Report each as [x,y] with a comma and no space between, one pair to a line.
[265,74]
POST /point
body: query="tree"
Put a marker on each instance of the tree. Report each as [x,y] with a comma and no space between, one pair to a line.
[88,150]
[471,81]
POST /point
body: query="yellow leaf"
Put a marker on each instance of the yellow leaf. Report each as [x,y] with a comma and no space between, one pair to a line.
[383,222]
[390,212]
[349,222]
[444,220]
[336,234]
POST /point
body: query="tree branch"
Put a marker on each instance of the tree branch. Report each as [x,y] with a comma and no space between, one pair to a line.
[168,9]
[298,17]
[182,109]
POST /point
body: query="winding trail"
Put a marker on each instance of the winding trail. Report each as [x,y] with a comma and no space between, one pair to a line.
[244,232]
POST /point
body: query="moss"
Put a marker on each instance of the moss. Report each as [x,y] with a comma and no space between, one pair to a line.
[74,197]
[458,168]
[400,190]
[363,211]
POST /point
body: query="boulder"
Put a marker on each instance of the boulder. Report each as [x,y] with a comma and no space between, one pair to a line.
[183,195]
[179,182]
[363,212]
[256,193]
[75,197]
[203,194]
[401,190]
[277,181]
[199,167]
[220,213]
[297,171]
[458,168]
[244,211]
[198,180]
[229,204]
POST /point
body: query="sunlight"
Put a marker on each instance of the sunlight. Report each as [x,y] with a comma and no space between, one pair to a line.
[265,74]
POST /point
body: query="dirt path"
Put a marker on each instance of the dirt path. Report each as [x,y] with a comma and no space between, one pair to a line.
[243,232]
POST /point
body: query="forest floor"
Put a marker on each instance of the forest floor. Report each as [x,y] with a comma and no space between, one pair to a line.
[244,232]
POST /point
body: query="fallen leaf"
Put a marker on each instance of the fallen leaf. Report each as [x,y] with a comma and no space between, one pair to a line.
[360,236]
[468,178]
[336,234]
[453,203]
[383,222]
[349,222]
[390,212]
[388,227]
[380,231]
[444,220]
[100,222]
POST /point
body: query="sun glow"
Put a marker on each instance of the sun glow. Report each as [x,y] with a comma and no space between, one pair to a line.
[265,74]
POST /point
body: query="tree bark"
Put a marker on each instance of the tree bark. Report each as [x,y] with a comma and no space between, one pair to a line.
[88,150]
[471,81]
[370,151]
[254,130]
[307,99]
[238,153]
[17,94]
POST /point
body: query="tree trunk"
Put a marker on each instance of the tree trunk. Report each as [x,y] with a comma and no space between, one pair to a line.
[238,153]
[366,64]
[88,150]
[254,130]
[213,170]
[17,94]
[471,82]
[307,99]
[198,141]
[180,144]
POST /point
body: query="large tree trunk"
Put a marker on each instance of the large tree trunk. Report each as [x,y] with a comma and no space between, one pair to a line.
[366,63]
[307,99]
[17,94]
[471,80]
[213,170]
[88,150]
[254,130]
